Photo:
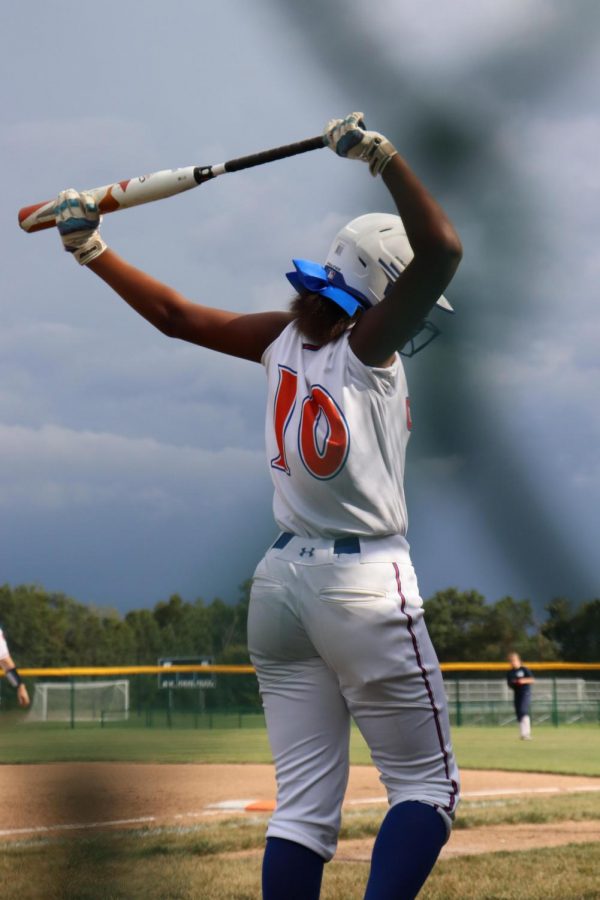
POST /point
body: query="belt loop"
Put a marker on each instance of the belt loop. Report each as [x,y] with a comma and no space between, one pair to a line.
[350,544]
[282,541]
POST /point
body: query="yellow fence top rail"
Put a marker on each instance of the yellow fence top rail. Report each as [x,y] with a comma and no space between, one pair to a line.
[538,666]
[134,670]
[75,671]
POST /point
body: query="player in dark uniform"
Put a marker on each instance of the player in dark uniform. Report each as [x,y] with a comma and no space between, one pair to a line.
[520,679]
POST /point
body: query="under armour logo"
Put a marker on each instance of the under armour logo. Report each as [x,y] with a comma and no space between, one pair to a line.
[307,551]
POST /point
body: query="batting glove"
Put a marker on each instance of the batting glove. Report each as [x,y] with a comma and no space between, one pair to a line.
[77,219]
[347,137]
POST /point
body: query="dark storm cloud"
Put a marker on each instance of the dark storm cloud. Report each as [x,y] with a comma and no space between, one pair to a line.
[449,128]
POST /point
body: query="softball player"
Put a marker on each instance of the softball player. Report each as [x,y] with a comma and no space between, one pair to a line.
[335,626]
[520,679]
[11,673]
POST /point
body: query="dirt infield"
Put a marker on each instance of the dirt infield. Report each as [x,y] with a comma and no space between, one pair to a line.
[44,800]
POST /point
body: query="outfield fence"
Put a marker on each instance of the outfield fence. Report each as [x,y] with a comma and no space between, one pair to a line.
[219,696]
[558,701]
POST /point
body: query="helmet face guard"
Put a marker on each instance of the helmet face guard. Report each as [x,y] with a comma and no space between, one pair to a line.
[366,258]
[420,338]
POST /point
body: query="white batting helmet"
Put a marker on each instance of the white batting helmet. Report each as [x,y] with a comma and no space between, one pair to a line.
[366,257]
[370,252]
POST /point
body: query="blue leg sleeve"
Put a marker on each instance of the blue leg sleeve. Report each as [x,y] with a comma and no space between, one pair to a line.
[407,846]
[291,871]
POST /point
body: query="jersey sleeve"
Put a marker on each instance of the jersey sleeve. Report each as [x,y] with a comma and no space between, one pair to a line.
[382,380]
[3,646]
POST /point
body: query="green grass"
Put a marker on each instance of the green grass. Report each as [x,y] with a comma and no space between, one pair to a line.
[188,863]
[553,873]
[185,864]
[175,863]
[507,811]
[572,749]
[47,743]
[218,836]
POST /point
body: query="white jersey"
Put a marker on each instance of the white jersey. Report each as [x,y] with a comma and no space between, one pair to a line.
[3,646]
[336,436]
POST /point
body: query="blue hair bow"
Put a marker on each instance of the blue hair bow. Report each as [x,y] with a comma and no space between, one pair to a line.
[326,281]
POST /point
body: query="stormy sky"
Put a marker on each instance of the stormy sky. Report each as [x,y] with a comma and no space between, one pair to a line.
[131,466]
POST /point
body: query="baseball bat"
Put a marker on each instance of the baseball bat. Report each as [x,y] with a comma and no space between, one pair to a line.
[158,185]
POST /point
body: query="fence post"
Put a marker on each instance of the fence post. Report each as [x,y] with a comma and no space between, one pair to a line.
[554,703]
[72,701]
[458,704]
[170,708]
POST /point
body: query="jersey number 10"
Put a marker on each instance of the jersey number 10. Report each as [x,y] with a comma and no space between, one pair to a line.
[323,435]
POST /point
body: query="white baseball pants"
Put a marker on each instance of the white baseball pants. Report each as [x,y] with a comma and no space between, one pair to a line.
[340,636]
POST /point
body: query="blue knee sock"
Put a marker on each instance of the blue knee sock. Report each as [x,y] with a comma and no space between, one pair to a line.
[407,846]
[291,871]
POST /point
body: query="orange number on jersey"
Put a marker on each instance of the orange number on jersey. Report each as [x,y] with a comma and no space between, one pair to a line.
[323,436]
[285,400]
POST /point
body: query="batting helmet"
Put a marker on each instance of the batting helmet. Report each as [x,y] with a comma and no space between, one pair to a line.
[366,257]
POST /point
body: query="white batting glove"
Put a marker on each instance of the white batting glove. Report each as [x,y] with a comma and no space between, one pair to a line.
[347,137]
[77,219]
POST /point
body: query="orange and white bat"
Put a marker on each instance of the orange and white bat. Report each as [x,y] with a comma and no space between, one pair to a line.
[158,185]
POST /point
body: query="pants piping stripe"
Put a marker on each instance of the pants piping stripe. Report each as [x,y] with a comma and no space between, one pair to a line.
[436,716]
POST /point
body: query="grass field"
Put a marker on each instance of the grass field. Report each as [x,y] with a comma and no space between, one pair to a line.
[220,860]
[573,749]
[90,873]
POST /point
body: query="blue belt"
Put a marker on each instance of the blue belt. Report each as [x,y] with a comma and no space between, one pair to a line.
[349,544]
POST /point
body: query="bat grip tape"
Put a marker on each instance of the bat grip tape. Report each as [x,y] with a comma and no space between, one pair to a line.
[205,173]
[266,156]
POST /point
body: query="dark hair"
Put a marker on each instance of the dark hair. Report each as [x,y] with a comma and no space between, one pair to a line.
[320,319]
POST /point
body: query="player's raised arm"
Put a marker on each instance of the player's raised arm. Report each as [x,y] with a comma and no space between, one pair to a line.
[246,336]
[389,324]
[237,334]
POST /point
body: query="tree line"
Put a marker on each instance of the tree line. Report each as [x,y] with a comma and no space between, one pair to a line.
[46,629]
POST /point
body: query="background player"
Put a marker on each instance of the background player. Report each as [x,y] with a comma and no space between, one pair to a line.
[336,624]
[11,673]
[520,679]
